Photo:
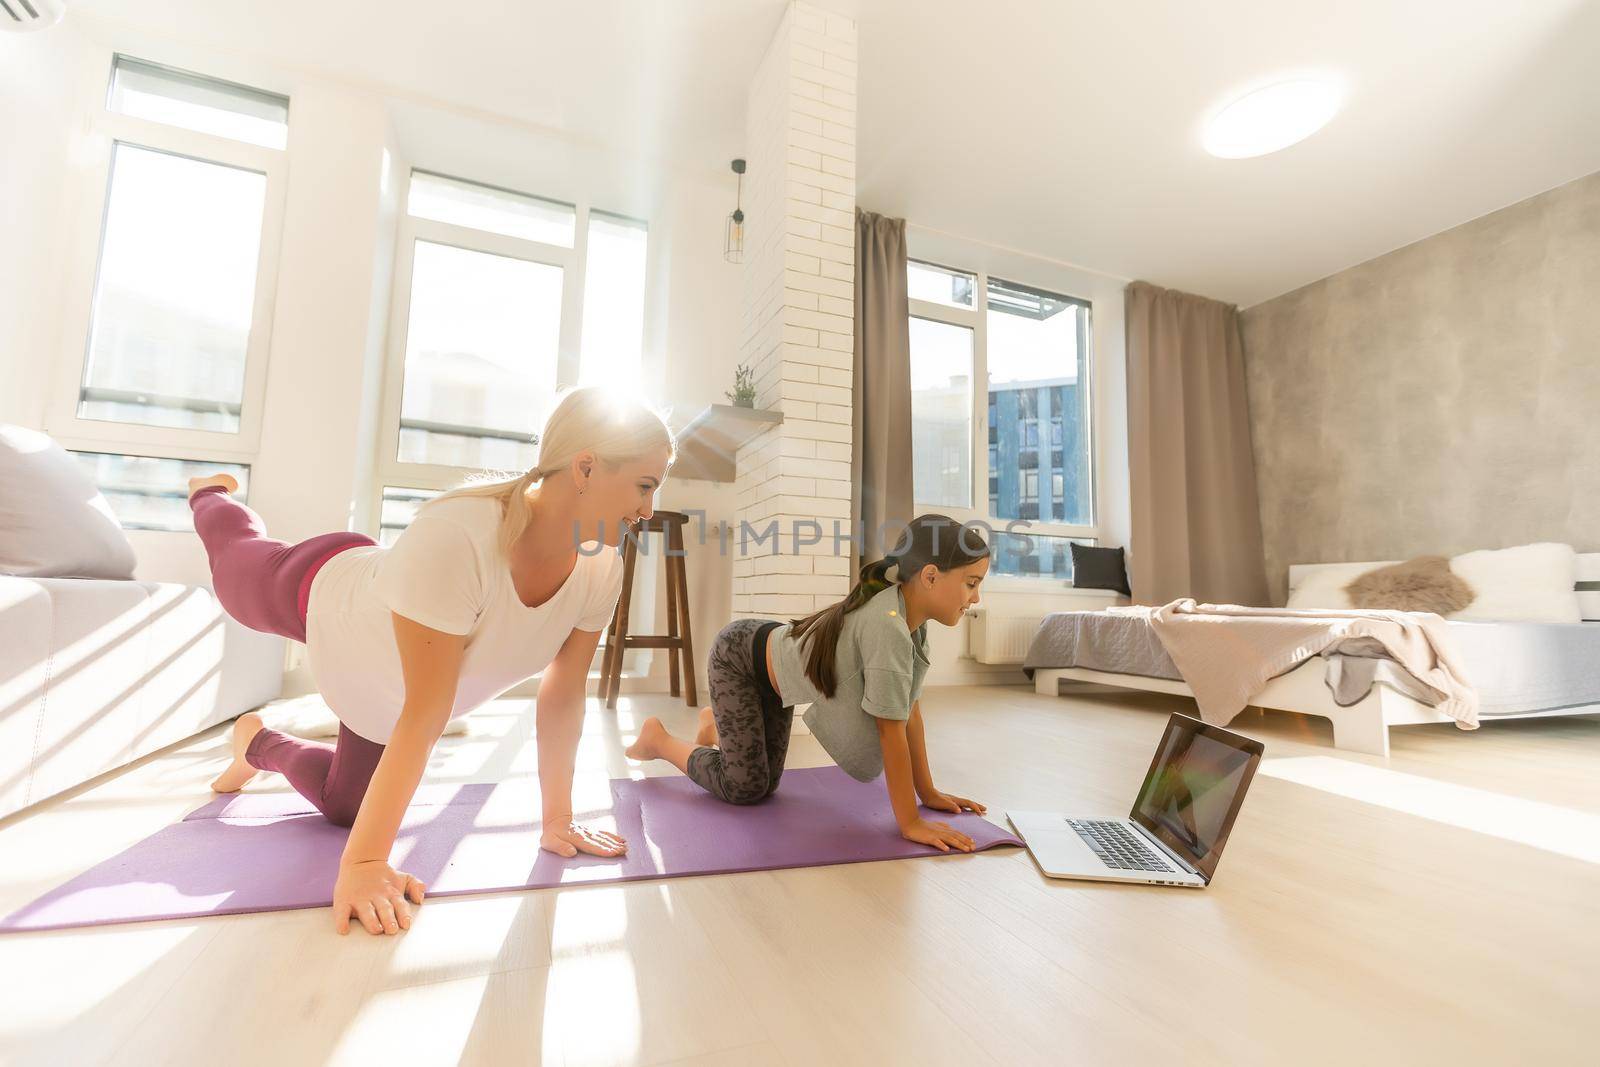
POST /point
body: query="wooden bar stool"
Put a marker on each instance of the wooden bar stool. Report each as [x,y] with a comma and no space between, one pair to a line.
[618,640]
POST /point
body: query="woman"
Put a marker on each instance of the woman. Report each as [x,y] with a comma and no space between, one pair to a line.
[485,589]
[860,664]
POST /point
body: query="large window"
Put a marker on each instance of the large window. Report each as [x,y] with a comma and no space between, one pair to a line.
[152,493]
[502,299]
[172,285]
[1038,374]
[480,363]
[182,268]
[175,292]
[1023,445]
[941,411]
[613,300]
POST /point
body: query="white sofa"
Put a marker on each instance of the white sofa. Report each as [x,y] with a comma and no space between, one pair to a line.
[97,669]
[96,673]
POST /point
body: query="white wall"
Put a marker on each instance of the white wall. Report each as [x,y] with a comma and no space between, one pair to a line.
[692,348]
[39,87]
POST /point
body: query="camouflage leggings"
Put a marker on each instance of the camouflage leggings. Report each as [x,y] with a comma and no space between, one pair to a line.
[752,725]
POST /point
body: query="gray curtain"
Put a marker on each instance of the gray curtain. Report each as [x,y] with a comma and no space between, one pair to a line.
[1196,523]
[880,462]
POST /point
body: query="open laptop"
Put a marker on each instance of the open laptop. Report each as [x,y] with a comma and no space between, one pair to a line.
[1179,823]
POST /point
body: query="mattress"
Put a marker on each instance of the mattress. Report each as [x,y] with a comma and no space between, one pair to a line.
[1517,667]
[1522,667]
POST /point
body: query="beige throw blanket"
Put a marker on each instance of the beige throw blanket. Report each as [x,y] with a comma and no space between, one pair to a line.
[1227,653]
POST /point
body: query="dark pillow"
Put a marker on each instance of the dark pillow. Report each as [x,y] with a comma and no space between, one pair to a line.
[1099,568]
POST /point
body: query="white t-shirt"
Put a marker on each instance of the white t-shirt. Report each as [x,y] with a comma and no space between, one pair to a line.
[446,571]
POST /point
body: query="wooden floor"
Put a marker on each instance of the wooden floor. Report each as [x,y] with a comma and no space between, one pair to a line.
[1438,907]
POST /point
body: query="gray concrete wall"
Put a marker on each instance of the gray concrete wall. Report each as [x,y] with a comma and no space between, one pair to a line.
[1441,398]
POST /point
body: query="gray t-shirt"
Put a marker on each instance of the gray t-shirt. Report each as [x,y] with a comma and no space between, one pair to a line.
[878,671]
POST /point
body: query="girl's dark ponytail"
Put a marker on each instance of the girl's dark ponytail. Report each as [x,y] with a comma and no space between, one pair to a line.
[872,580]
[935,539]
[825,626]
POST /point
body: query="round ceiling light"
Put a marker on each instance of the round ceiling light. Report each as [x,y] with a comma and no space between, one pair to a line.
[1271,119]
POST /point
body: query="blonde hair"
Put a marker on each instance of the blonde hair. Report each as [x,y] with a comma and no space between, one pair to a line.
[616,427]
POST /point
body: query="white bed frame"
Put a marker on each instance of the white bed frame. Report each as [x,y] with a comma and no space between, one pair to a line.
[1361,727]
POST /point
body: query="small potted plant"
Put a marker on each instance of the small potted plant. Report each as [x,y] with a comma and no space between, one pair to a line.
[744,388]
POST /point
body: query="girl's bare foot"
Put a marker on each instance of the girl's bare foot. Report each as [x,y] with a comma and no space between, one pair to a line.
[239,772]
[707,734]
[647,747]
[227,481]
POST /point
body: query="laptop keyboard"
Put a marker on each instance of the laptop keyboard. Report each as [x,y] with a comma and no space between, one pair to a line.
[1117,847]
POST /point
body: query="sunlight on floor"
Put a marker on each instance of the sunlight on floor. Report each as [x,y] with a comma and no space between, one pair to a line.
[465,935]
[596,990]
[432,1023]
[103,969]
[1528,822]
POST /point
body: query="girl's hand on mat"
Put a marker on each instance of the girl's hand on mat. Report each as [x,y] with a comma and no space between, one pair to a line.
[376,895]
[575,838]
[951,803]
[937,834]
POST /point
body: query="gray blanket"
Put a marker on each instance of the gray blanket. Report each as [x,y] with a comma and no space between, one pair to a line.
[1516,667]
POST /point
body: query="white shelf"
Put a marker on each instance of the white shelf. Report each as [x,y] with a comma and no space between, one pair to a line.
[708,445]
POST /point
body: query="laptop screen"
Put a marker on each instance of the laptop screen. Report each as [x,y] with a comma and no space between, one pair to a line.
[1194,789]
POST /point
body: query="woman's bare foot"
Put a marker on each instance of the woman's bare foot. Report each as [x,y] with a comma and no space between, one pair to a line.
[227,481]
[239,772]
[706,736]
[648,745]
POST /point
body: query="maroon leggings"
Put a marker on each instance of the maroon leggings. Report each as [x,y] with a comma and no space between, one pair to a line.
[266,585]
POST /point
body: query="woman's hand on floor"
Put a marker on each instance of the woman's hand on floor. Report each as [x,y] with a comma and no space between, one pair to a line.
[937,834]
[376,895]
[951,803]
[569,838]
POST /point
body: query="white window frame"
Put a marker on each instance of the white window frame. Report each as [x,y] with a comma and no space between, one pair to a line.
[90,193]
[172,454]
[391,471]
[975,318]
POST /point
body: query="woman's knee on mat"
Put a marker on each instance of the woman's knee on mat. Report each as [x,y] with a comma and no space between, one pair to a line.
[342,811]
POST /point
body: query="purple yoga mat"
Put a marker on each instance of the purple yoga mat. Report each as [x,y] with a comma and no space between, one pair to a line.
[273,852]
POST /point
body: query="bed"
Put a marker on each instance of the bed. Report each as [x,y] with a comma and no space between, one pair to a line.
[1519,669]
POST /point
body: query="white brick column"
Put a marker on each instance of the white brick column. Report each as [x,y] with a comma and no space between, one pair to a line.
[798,332]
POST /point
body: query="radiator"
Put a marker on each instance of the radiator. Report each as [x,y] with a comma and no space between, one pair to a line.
[1000,638]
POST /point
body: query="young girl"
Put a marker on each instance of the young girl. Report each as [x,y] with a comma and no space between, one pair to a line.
[485,589]
[860,664]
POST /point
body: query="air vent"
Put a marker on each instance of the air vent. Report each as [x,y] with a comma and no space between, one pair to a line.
[25,16]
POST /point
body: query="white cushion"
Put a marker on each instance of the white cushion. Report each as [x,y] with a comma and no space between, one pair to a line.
[53,521]
[1322,587]
[1530,583]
